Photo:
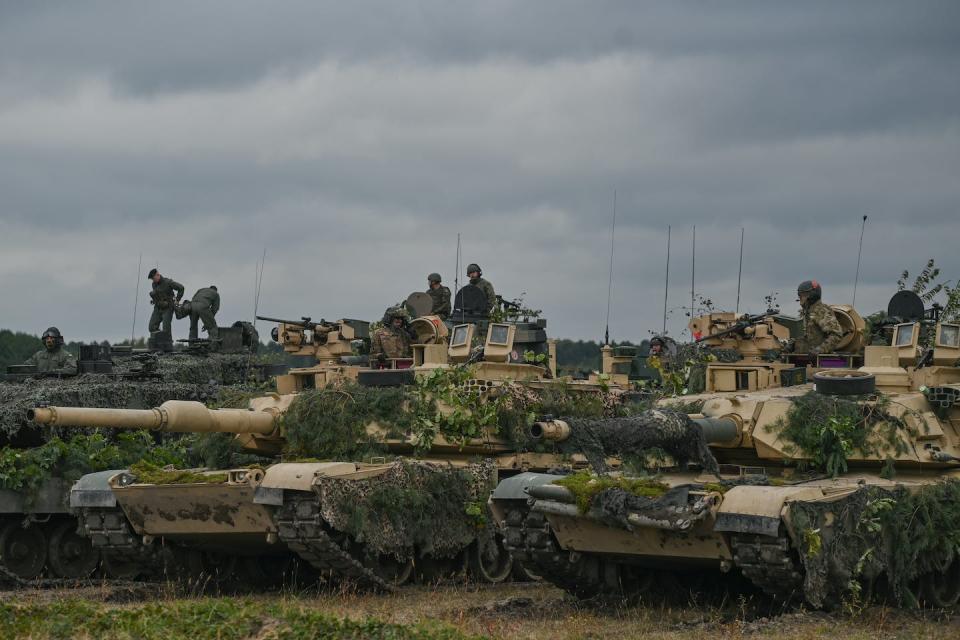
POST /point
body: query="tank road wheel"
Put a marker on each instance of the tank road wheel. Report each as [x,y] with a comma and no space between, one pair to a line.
[209,566]
[23,550]
[71,555]
[489,561]
[120,567]
[392,571]
[941,589]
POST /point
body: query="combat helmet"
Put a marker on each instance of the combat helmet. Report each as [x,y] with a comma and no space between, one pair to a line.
[434,277]
[52,332]
[473,266]
[811,288]
[396,311]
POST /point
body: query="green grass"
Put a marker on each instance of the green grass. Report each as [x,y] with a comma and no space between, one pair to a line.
[220,619]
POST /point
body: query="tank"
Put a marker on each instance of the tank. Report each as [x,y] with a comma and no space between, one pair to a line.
[373,476]
[829,493]
[38,532]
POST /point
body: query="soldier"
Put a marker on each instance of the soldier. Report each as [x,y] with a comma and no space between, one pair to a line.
[204,305]
[391,340]
[53,358]
[821,331]
[440,296]
[163,300]
[477,280]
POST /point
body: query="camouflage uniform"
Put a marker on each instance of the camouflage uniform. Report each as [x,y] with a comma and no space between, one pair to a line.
[204,305]
[441,301]
[57,360]
[821,331]
[487,289]
[390,342]
[164,300]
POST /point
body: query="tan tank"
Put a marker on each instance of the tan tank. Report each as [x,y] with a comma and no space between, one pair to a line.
[828,492]
[254,517]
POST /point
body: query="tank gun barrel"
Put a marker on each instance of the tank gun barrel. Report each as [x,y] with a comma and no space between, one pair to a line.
[173,415]
[715,430]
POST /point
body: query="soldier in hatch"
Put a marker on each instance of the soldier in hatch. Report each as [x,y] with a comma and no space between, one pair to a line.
[391,340]
[440,296]
[204,305]
[821,330]
[53,358]
[164,296]
[476,279]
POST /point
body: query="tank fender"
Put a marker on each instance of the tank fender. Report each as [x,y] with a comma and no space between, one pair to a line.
[93,490]
[514,488]
[759,509]
[295,476]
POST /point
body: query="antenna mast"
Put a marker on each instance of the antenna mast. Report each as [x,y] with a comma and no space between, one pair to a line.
[136,300]
[856,278]
[693,269]
[456,278]
[258,284]
[666,284]
[740,272]
[613,231]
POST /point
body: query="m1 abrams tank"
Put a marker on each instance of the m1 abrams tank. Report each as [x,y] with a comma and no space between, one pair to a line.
[38,532]
[416,507]
[825,493]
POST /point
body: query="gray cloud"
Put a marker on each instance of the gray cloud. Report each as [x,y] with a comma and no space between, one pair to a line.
[355,141]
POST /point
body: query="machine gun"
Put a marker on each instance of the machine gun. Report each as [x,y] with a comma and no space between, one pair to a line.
[740,326]
[304,322]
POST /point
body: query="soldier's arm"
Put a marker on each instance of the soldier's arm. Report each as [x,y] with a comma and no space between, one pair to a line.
[215,306]
[492,295]
[67,363]
[827,322]
[176,286]
[32,360]
[376,347]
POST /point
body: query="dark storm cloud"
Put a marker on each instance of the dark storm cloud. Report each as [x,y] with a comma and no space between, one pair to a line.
[356,140]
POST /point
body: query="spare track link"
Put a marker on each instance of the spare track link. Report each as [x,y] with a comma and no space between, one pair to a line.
[300,527]
[109,532]
[529,538]
[769,563]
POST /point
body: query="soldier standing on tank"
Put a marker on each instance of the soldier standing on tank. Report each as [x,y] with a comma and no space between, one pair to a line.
[204,305]
[440,296]
[53,358]
[164,296]
[476,279]
[821,330]
[391,341]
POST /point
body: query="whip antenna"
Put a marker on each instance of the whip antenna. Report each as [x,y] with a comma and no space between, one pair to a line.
[613,231]
[856,278]
[693,269]
[136,300]
[259,284]
[666,284]
[740,272]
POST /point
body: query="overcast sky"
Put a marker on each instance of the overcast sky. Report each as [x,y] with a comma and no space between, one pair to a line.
[354,140]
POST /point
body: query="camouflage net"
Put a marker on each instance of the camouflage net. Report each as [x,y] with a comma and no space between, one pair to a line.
[411,510]
[663,430]
[830,428]
[875,532]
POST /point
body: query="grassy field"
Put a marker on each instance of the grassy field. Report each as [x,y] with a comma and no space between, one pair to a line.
[450,612]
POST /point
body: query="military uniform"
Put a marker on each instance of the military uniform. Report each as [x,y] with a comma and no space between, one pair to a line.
[204,305]
[58,360]
[821,330]
[487,289]
[390,342]
[165,295]
[441,301]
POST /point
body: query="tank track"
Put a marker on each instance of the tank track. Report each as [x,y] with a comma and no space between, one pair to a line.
[109,531]
[529,538]
[770,564]
[301,527]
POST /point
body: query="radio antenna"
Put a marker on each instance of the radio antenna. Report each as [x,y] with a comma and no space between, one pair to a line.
[136,300]
[740,272]
[259,284]
[456,278]
[666,284]
[856,278]
[693,269]
[613,231]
